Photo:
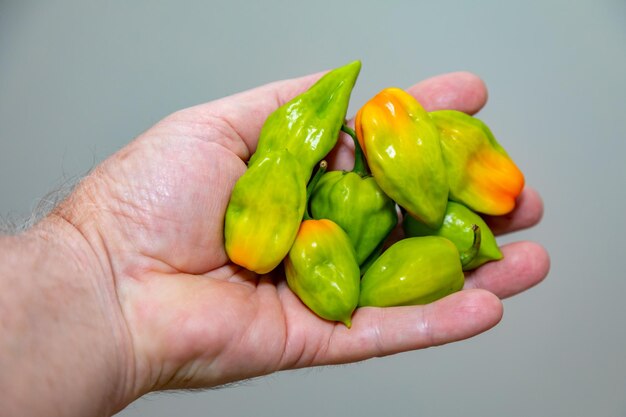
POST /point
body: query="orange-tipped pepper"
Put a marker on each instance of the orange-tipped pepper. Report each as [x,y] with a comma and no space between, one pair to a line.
[481,174]
[268,200]
[403,150]
[322,270]
[264,212]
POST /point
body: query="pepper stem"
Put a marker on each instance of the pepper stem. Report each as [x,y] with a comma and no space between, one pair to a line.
[360,164]
[469,254]
[312,184]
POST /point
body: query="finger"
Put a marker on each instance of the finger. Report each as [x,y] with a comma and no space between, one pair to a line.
[236,121]
[525,264]
[384,331]
[461,91]
[528,212]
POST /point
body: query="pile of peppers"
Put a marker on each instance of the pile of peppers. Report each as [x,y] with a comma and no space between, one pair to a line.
[432,173]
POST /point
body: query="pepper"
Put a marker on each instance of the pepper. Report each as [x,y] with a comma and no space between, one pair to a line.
[481,174]
[268,200]
[457,227]
[322,270]
[356,203]
[264,212]
[416,270]
[308,125]
[403,151]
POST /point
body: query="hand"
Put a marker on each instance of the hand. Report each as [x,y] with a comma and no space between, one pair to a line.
[153,215]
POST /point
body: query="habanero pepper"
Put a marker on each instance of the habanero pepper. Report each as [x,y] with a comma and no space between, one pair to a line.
[322,270]
[457,227]
[268,201]
[354,200]
[264,212]
[403,151]
[416,270]
[481,174]
[308,125]
[321,266]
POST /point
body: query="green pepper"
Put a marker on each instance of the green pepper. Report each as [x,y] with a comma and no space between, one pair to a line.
[416,270]
[322,270]
[457,227]
[268,201]
[308,125]
[481,174]
[355,202]
[403,151]
[264,212]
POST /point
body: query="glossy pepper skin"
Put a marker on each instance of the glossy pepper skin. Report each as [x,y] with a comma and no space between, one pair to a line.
[355,202]
[322,270]
[413,271]
[268,201]
[457,227]
[308,125]
[358,205]
[403,150]
[481,174]
[264,212]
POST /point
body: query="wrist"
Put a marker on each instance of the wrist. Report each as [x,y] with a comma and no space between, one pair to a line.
[63,343]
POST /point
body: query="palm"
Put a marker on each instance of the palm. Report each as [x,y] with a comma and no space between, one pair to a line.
[195,319]
[219,311]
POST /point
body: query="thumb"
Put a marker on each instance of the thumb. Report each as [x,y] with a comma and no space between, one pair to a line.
[239,118]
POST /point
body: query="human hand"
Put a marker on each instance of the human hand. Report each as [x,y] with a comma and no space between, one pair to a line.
[153,216]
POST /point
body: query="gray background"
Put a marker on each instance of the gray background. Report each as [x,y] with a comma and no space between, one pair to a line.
[78,80]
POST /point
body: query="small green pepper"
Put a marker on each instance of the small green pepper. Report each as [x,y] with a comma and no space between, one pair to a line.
[416,270]
[264,212]
[355,202]
[268,201]
[308,125]
[457,227]
[322,270]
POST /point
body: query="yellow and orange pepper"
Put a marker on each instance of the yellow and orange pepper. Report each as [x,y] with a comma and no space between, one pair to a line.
[403,150]
[481,174]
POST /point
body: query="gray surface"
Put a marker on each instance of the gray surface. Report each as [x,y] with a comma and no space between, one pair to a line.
[79,81]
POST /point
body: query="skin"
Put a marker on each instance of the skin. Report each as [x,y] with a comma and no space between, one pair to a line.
[126,288]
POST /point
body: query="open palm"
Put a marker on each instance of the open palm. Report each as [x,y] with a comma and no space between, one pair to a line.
[193,319]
